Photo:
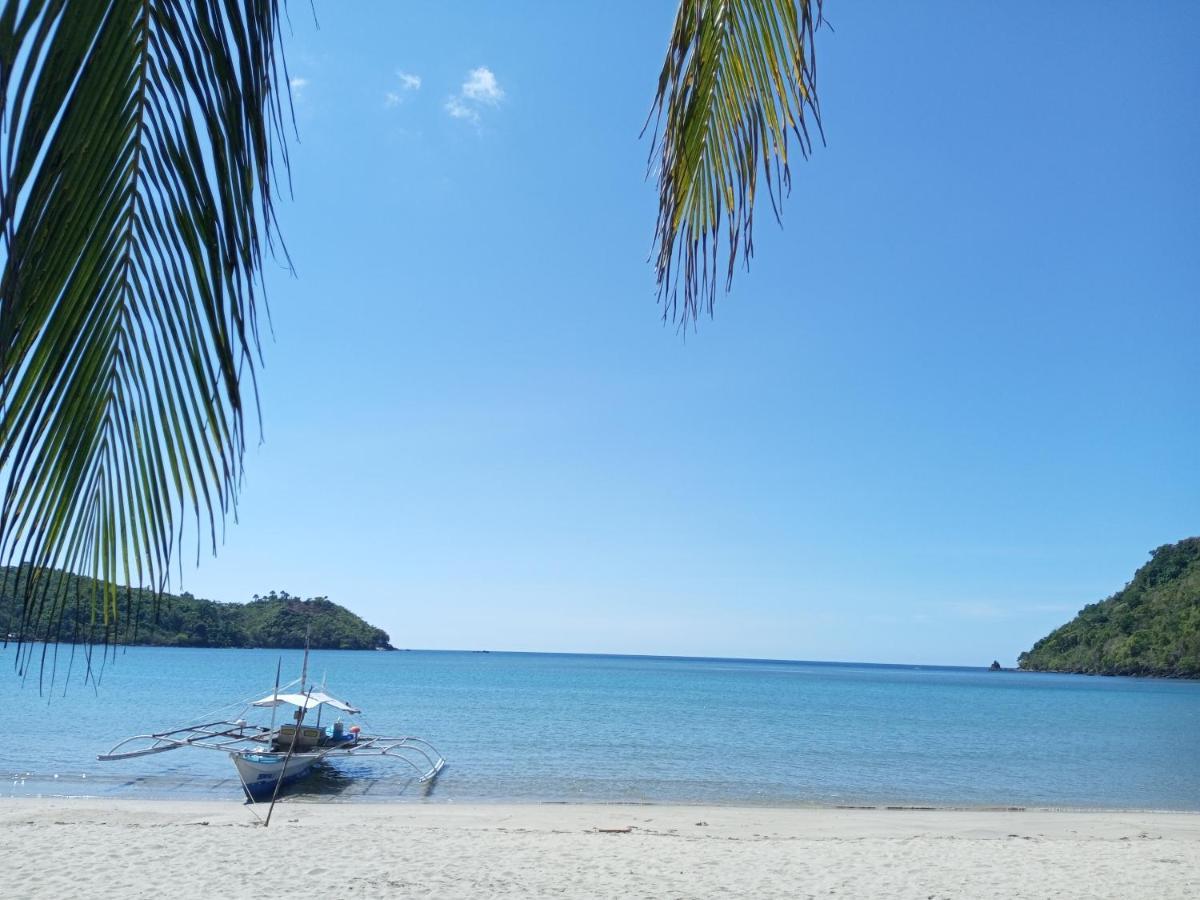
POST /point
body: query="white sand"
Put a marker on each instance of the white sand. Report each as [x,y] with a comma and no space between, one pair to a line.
[123,848]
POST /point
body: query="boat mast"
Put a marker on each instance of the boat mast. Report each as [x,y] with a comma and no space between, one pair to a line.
[304,668]
[275,695]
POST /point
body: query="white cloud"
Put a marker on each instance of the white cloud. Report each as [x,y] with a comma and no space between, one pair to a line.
[479,89]
[298,85]
[481,86]
[459,110]
[408,82]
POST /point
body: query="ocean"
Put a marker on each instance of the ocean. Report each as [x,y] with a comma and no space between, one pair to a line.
[531,727]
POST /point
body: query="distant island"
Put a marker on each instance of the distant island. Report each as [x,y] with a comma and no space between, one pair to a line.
[1151,627]
[277,620]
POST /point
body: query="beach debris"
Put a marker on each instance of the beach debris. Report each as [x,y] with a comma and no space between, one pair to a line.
[701,824]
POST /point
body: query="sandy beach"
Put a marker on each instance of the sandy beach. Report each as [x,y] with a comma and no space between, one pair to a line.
[133,848]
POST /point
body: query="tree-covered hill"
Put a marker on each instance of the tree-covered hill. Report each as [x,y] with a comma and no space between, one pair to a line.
[277,620]
[1152,627]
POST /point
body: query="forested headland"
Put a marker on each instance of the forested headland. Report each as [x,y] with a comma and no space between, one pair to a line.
[1150,627]
[276,620]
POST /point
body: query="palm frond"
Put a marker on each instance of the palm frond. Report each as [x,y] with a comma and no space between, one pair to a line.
[139,143]
[738,81]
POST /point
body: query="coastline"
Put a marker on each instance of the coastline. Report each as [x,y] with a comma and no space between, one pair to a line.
[179,794]
[135,848]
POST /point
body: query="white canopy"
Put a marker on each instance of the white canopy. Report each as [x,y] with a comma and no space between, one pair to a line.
[306,702]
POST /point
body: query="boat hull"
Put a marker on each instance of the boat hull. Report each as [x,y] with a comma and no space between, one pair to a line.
[260,772]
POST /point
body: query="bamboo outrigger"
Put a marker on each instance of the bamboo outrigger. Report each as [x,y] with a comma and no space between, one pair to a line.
[269,757]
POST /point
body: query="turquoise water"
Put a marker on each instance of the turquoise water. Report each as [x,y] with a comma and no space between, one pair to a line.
[566,728]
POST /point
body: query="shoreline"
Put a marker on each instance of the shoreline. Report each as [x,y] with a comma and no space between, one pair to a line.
[226,792]
[400,802]
[136,847]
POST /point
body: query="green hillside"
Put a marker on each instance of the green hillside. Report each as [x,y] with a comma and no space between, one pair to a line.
[1152,627]
[277,620]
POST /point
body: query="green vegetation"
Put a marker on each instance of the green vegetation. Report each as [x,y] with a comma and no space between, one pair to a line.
[1152,627]
[277,620]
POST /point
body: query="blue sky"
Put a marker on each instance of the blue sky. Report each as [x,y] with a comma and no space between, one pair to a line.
[952,401]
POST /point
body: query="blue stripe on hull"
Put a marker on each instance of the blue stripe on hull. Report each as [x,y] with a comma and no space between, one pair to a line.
[258,779]
[263,791]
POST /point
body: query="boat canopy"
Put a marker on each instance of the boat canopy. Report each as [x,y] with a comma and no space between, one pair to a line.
[308,701]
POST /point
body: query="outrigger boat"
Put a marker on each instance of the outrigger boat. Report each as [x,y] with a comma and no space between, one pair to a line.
[268,758]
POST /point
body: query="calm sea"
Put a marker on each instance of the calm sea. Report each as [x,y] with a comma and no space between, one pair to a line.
[567,728]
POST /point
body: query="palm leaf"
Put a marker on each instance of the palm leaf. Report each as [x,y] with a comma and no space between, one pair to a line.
[139,142]
[739,78]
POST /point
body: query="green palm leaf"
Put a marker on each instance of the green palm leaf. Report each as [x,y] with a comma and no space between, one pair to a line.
[738,79]
[139,140]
